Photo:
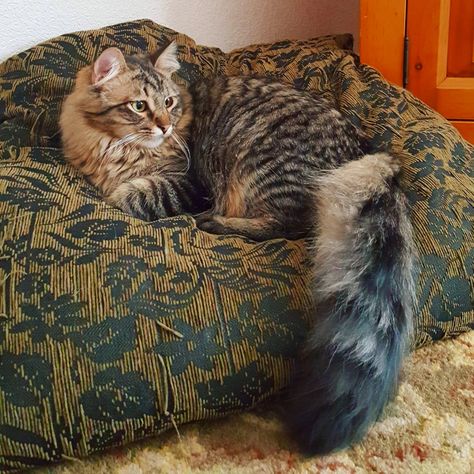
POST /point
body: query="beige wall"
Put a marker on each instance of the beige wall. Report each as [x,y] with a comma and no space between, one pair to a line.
[224,23]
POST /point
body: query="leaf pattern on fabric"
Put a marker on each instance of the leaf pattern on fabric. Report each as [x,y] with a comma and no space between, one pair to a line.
[112,329]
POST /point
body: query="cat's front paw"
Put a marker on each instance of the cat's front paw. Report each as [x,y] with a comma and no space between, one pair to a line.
[127,198]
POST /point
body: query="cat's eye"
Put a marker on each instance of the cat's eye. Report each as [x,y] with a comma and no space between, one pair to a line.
[169,101]
[138,105]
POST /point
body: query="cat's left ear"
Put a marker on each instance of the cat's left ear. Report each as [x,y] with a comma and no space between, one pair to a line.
[166,60]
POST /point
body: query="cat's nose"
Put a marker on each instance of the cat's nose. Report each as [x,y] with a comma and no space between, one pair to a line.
[163,123]
[163,127]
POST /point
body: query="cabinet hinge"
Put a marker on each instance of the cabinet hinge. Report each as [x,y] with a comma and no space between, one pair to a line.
[406,42]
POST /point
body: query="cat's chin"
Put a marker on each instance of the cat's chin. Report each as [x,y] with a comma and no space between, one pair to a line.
[154,142]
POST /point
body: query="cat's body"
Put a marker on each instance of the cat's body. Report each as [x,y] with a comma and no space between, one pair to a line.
[273,161]
[258,146]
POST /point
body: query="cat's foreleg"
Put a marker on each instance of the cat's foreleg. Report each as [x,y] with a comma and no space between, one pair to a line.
[153,197]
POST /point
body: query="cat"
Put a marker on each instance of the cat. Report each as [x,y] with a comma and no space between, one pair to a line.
[266,160]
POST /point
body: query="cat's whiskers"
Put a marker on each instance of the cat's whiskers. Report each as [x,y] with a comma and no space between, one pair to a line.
[130,137]
[184,148]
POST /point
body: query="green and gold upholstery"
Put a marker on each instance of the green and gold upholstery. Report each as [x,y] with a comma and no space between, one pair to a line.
[113,329]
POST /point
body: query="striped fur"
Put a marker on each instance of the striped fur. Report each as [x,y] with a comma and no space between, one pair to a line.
[277,162]
[258,146]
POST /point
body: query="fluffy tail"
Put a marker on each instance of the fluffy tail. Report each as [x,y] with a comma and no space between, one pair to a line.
[364,295]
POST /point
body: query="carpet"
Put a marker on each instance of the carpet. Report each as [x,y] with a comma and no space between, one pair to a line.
[428,429]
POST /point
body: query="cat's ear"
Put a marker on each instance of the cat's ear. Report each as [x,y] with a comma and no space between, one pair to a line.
[166,60]
[107,66]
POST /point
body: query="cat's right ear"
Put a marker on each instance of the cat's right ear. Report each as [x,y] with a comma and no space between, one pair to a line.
[107,66]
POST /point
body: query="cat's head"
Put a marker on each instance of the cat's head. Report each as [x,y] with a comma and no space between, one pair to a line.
[132,98]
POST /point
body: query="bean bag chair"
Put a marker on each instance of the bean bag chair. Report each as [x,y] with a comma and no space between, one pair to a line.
[113,329]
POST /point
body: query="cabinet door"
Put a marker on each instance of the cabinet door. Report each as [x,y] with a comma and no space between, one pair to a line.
[441,58]
[382,29]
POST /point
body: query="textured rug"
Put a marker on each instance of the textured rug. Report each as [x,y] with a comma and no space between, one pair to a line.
[429,429]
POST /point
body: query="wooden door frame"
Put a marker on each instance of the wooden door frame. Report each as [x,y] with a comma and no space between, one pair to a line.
[428,76]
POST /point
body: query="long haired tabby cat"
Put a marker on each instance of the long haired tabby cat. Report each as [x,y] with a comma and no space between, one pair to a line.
[273,161]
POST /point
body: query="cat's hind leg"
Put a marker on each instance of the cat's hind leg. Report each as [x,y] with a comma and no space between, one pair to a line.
[255,228]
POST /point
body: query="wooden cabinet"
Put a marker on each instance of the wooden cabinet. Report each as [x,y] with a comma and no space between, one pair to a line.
[426,46]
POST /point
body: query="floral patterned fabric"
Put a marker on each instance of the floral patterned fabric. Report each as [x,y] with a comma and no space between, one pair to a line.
[113,329]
